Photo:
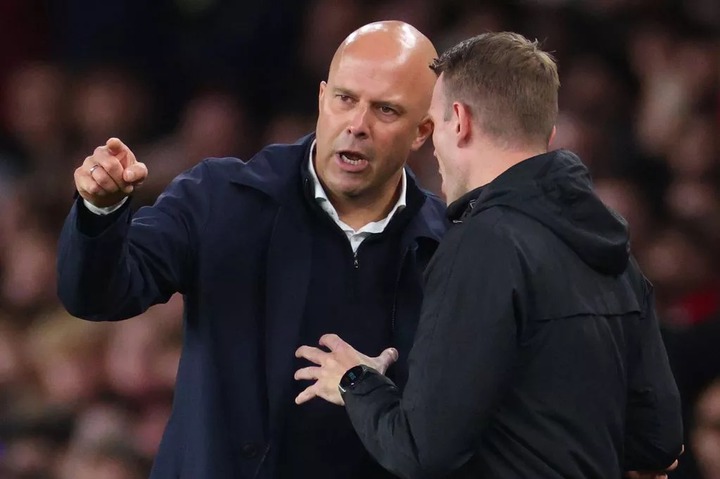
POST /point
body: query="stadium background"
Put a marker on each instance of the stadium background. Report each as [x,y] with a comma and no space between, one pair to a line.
[180,80]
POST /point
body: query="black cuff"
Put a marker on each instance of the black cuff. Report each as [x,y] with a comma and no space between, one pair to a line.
[91,224]
[370,381]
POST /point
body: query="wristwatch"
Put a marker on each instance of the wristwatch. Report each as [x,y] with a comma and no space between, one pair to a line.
[352,377]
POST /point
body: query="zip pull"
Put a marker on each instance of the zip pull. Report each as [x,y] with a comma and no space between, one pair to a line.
[355,260]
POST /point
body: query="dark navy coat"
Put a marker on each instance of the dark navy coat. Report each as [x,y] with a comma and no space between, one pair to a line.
[230,237]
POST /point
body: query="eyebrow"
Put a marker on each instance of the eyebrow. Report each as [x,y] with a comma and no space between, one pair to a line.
[344,91]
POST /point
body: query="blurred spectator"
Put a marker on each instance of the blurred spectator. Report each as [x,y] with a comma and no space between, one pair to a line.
[13,368]
[104,461]
[66,355]
[34,115]
[694,150]
[705,435]
[286,127]
[107,101]
[213,123]
[33,441]
[27,284]
[685,274]
[326,24]
[696,202]
[627,199]
[24,27]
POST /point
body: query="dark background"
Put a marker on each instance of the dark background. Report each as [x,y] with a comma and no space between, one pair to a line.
[180,80]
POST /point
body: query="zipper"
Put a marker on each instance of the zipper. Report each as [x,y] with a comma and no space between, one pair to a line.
[397,288]
[262,460]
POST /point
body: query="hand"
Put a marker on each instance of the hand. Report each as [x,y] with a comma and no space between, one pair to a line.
[331,366]
[653,474]
[109,175]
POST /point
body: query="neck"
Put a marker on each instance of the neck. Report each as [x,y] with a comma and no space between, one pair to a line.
[489,161]
[358,211]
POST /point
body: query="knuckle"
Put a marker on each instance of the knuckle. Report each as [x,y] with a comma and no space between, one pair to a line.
[107,184]
[94,189]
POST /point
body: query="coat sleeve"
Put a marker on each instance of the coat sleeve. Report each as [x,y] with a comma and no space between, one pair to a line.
[461,361]
[653,432]
[116,267]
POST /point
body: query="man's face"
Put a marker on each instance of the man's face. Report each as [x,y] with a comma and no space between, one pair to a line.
[445,142]
[370,117]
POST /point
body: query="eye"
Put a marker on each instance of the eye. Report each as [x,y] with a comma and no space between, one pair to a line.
[344,98]
[386,110]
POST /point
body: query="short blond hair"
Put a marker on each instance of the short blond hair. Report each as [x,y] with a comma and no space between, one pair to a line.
[507,81]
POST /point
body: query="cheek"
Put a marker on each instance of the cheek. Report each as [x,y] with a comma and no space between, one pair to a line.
[328,119]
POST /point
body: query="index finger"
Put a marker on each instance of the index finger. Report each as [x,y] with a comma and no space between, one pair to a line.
[331,341]
[311,354]
[119,149]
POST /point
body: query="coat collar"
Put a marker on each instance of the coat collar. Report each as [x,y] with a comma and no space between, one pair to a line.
[274,169]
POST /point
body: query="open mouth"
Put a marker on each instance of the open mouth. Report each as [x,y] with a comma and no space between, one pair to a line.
[352,161]
[351,157]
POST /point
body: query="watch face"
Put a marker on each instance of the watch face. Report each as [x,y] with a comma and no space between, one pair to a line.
[351,377]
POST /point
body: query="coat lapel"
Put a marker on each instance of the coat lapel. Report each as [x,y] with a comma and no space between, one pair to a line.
[288,276]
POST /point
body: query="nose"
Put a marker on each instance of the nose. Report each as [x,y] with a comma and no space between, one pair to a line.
[359,122]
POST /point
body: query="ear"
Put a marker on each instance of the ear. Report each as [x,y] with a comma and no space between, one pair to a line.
[462,118]
[552,135]
[321,94]
[424,130]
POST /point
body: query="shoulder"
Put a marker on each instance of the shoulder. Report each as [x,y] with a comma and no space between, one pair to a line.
[496,223]
[486,238]
[269,170]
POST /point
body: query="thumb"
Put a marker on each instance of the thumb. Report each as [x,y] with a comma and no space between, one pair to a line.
[135,173]
[387,358]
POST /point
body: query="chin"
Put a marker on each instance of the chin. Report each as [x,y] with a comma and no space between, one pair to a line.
[353,191]
[348,190]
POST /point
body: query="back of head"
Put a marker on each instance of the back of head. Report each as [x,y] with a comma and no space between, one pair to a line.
[509,83]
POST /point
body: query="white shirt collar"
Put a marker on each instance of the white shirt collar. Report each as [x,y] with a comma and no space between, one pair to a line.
[324,202]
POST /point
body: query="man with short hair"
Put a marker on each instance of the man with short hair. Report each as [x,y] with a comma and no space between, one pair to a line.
[538,353]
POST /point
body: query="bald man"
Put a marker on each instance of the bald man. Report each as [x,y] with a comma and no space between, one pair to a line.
[330,233]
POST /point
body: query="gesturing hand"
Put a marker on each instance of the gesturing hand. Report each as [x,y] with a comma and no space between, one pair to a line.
[109,174]
[332,365]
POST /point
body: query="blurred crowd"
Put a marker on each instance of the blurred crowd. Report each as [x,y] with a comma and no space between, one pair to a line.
[181,80]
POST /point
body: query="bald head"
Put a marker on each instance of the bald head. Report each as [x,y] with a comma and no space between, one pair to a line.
[392,44]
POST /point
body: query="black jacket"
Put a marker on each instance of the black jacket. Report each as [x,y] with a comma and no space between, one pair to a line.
[538,353]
